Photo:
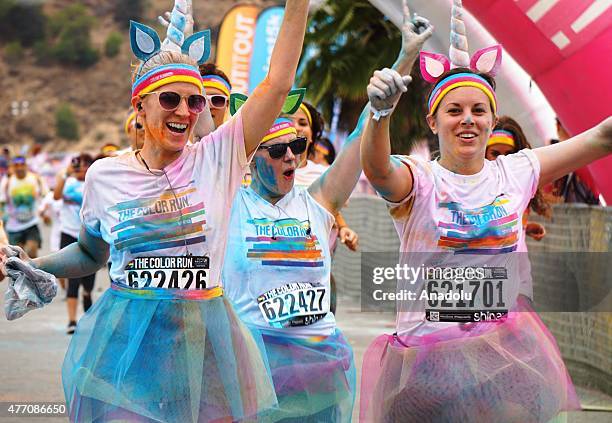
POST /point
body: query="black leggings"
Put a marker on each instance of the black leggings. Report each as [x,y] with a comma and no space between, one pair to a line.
[73,284]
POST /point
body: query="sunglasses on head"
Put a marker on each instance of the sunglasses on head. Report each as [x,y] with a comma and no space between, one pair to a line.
[277,151]
[170,101]
[217,101]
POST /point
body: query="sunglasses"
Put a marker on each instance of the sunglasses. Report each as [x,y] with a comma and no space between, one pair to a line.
[277,151]
[169,101]
[217,101]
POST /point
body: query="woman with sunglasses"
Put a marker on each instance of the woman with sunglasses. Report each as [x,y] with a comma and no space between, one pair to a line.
[468,345]
[164,344]
[278,265]
[218,89]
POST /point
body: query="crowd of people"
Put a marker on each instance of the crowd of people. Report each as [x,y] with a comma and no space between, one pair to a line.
[219,222]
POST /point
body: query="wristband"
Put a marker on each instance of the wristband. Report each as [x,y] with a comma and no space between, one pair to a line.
[377,114]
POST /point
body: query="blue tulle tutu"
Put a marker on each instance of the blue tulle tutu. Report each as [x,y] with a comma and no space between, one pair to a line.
[144,356]
[314,378]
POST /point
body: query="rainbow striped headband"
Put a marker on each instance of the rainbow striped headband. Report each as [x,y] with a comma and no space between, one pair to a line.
[460,80]
[215,81]
[281,126]
[499,136]
[164,75]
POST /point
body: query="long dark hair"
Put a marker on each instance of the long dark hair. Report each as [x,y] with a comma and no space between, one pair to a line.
[317,126]
[538,203]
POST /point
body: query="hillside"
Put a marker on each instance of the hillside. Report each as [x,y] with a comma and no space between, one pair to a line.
[99,95]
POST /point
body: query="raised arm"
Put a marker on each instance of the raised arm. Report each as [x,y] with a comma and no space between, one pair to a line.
[266,101]
[567,156]
[334,187]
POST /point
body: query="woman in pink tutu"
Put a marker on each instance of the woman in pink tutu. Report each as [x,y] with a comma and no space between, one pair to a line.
[454,357]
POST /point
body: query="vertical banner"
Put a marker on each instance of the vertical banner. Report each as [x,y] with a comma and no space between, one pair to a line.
[266,32]
[235,45]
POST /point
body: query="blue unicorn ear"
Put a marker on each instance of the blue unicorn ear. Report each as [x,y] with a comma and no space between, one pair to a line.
[144,40]
[197,46]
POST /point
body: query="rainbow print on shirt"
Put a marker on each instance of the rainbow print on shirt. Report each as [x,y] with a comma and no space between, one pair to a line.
[157,223]
[484,230]
[284,243]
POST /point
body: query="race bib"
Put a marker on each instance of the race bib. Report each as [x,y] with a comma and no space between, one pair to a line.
[294,304]
[486,296]
[183,272]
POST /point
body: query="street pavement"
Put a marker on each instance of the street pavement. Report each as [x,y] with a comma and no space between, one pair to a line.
[32,349]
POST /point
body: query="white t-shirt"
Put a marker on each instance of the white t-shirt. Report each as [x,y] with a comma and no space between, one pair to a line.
[458,221]
[275,273]
[72,197]
[305,176]
[22,198]
[152,225]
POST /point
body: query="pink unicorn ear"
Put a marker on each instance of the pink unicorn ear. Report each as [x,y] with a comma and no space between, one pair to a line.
[433,65]
[487,60]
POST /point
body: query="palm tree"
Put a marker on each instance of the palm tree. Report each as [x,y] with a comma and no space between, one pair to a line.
[347,40]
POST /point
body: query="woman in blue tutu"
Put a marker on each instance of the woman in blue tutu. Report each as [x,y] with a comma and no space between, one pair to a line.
[278,263]
[164,344]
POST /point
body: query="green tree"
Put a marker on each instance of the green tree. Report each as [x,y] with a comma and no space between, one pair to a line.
[22,21]
[70,28]
[66,124]
[112,46]
[350,39]
[13,53]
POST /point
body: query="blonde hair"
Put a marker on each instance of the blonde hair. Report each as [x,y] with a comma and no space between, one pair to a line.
[162,58]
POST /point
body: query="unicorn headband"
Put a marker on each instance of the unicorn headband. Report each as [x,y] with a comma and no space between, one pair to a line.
[433,65]
[281,126]
[145,44]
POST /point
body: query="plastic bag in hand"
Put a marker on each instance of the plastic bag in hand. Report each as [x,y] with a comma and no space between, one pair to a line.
[28,288]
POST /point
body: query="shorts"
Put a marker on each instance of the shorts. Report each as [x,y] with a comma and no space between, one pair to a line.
[21,237]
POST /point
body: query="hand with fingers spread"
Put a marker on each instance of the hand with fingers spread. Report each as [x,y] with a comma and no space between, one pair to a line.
[415,31]
[384,91]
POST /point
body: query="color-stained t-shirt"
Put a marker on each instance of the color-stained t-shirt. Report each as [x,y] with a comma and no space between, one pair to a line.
[451,222]
[22,198]
[277,265]
[168,228]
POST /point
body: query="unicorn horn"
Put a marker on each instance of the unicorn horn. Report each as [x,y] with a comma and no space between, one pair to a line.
[180,25]
[458,51]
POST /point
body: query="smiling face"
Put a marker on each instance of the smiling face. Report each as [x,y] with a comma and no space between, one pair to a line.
[168,130]
[463,122]
[218,115]
[274,178]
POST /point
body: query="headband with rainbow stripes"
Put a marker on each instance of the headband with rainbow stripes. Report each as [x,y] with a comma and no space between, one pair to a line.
[164,75]
[457,80]
[499,136]
[319,146]
[281,126]
[215,81]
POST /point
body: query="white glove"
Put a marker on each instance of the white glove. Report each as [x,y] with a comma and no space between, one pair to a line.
[384,91]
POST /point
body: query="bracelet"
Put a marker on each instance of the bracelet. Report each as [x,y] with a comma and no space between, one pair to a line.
[380,113]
